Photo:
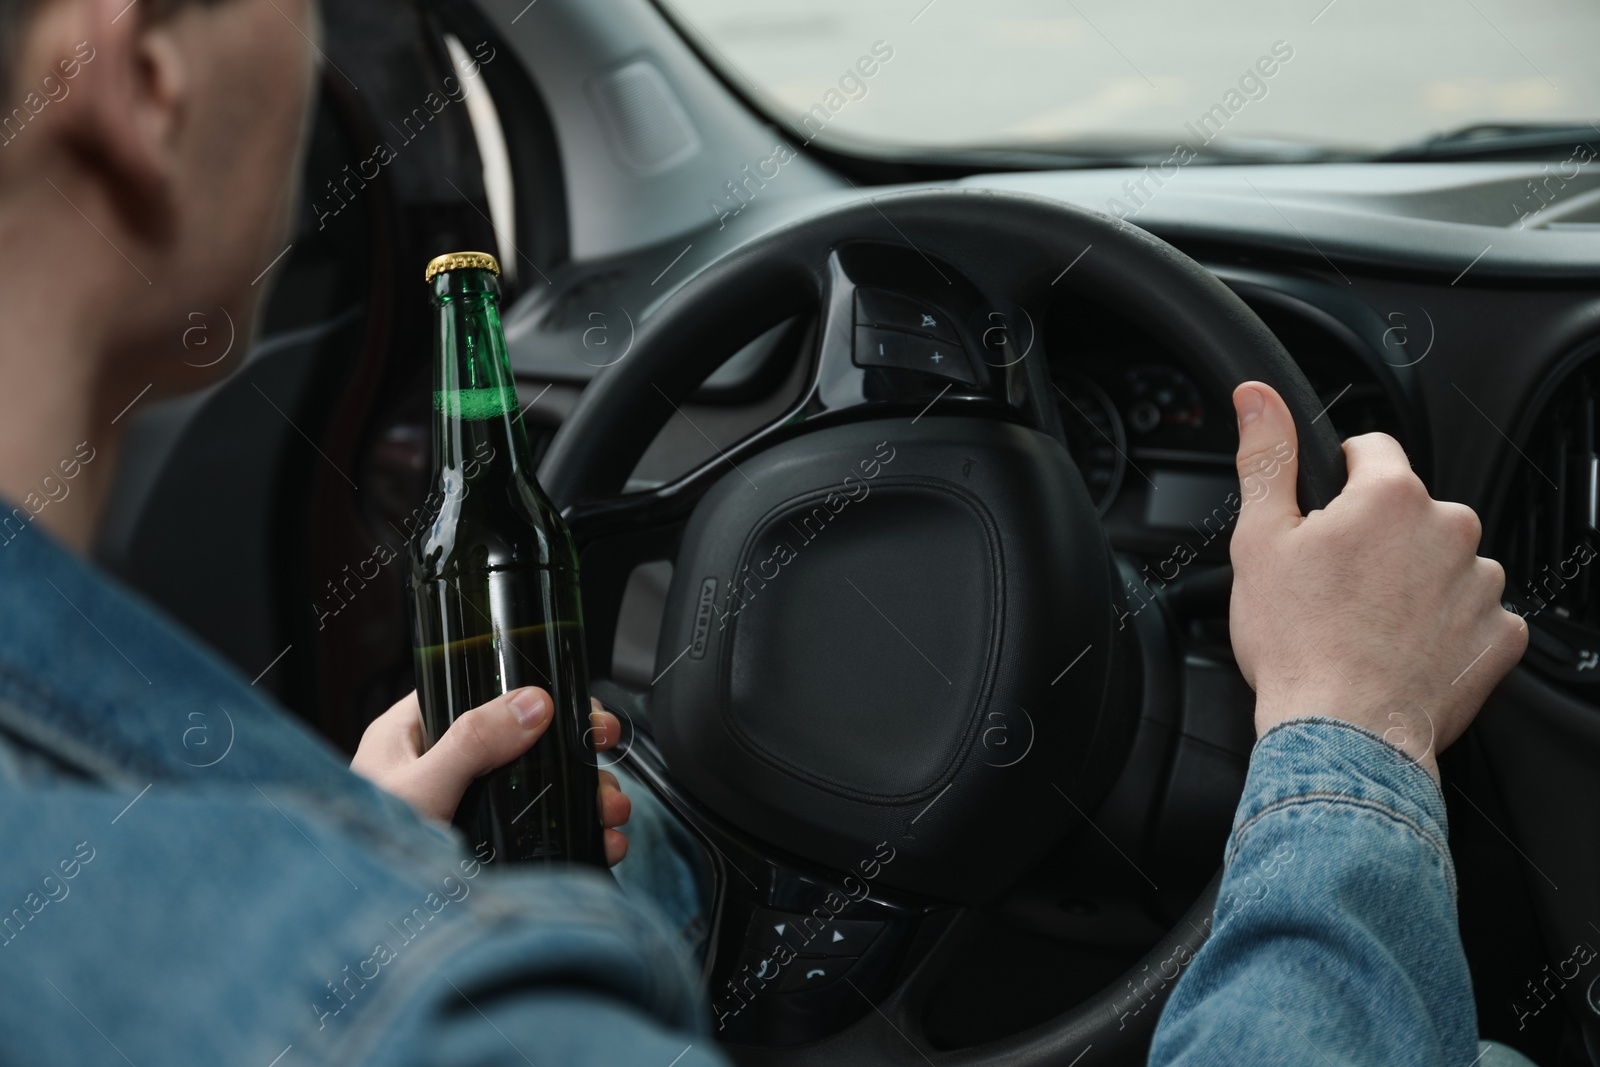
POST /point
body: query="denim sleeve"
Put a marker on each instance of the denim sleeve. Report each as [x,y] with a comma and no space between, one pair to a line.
[187,926]
[1335,935]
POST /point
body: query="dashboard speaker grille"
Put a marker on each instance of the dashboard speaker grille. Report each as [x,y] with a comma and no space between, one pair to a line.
[645,125]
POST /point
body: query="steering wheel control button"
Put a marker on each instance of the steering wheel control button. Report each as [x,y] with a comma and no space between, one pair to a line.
[769,929]
[802,974]
[845,937]
[806,935]
[877,347]
[763,965]
[879,307]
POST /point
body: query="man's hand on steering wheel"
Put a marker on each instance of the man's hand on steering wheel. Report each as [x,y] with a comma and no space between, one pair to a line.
[1375,610]
[390,755]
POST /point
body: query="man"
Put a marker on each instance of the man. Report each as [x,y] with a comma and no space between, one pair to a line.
[165,899]
[163,903]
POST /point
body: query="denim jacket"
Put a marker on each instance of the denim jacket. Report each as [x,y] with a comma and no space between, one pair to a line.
[1335,936]
[189,876]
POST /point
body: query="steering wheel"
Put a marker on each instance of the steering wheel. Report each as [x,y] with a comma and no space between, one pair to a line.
[863,589]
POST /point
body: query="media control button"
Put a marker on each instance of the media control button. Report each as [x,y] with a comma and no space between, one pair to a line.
[875,347]
[806,935]
[879,307]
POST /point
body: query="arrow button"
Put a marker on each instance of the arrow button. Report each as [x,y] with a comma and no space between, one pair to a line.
[808,935]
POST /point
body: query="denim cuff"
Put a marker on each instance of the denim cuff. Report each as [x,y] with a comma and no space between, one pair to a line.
[1316,761]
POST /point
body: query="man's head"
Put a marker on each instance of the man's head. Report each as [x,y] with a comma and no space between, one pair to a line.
[148,152]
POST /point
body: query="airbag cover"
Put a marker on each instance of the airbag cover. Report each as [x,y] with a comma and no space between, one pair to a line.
[924,549]
[867,630]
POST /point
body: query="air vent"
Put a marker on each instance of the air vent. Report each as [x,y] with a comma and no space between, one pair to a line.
[1549,537]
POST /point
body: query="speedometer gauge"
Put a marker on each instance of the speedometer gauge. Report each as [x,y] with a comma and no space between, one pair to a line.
[1162,396]
[1094,437]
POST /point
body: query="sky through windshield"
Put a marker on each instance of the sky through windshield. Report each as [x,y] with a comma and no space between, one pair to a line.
[1365,75]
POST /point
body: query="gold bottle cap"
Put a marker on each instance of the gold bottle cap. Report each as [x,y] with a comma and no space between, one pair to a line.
[459,260]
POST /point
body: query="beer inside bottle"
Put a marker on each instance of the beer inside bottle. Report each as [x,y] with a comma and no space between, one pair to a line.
[494,582]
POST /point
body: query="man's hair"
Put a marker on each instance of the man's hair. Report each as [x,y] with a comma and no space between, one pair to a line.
[14,18]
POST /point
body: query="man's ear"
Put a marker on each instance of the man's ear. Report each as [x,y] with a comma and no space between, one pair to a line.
[127,82]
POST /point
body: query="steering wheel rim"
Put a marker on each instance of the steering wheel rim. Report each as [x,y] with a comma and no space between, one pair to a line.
[676,344]
[782,272]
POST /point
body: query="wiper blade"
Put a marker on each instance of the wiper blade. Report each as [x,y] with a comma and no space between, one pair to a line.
[1114,151]
[1526,140]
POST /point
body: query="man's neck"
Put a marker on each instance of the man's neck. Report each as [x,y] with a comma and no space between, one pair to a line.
[56,457]
[59,426]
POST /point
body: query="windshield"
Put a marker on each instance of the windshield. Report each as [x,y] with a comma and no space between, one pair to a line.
[1249,78]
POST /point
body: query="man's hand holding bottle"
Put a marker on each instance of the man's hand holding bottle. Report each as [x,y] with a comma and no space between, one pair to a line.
[486,738]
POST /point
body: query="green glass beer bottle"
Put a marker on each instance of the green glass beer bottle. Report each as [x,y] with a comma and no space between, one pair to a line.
[494,584]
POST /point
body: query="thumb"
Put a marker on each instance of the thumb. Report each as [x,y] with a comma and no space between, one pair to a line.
[489,736]
[1269,459]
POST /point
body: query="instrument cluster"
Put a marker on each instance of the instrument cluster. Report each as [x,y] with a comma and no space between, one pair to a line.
[1156,447]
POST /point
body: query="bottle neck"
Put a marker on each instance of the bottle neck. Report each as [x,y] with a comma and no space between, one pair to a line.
[477,422]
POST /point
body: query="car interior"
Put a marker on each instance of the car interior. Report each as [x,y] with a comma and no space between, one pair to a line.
[897,445]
